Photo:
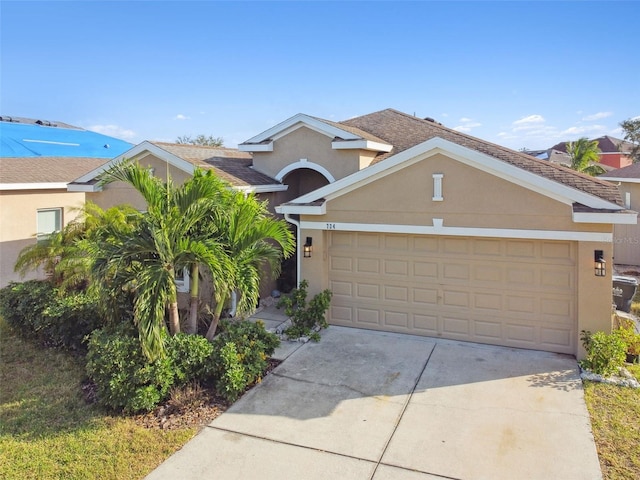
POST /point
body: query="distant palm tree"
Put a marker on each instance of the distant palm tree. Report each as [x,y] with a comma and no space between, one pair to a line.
[584,155]
[252,238]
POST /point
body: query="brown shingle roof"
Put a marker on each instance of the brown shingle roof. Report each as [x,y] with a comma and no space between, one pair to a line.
[630,171]
[46,169]
[405,131]
[229,164]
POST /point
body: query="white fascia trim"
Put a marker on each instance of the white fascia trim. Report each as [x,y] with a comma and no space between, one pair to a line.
[467,156]
[283,128]
[34,186]
[305,164]
[84,188]
[260,147]
[263,188]
[461,231]
[620,180]
[303,209]
[131,154]
[361,145]
[615,218]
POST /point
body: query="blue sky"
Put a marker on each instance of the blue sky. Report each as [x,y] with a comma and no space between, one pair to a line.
[521,74]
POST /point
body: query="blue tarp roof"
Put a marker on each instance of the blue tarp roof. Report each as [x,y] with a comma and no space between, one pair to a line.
[29,140]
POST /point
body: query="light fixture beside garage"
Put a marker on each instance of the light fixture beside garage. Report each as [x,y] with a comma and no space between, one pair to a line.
[307,248]
[600,264]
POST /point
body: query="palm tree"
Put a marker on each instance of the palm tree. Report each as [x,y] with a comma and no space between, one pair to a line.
[60,255]
[167,238]
[585,154]
[252,239]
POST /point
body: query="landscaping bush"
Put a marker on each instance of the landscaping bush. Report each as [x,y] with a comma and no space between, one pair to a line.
[240,354]
[123,376]
[126,380]
[35,309]
[305,318]
[605,353]
[191,358]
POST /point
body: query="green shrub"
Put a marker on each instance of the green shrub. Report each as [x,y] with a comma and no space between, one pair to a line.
[305,318]
[191,358]
[126,380]
[123,376]
[605,353]
[240,356]
[35,309]
[22,304]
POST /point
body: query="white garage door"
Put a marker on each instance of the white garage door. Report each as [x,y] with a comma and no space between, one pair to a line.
[518,293]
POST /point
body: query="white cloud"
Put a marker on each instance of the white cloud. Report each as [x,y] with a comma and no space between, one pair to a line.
[587,130]
[467,124]
[181,117]
[529,122]
[597,116]
[113,131]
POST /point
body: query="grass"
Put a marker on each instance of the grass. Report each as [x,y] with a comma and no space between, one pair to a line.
[615,418]
[48,431]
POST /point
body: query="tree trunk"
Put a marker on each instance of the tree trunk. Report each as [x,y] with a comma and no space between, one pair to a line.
[192,324]
[174,318]
[216,319]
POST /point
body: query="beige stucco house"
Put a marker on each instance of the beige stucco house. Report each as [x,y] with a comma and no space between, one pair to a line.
[417,228]
[34,202]
[626,238]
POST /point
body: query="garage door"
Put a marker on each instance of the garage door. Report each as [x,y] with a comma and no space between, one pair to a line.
[518,293]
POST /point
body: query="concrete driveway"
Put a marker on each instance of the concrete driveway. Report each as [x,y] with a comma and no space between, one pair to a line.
[372,405]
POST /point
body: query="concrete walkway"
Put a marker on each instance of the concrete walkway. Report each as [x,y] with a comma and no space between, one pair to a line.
[371,405]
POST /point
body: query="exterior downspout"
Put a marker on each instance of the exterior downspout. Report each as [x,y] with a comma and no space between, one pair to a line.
[298,265]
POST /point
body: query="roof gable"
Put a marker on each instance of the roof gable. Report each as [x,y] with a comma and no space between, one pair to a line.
[230,165]
[630,173]
[495,166]
[343,136]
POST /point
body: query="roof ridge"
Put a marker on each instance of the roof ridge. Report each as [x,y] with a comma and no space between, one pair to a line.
[189,145]
[501,148]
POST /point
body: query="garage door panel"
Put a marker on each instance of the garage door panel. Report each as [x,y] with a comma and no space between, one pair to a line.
[396,319]
[341,264]
[517,293]
[396,267]
[367,291]
[367,316]
[368,265]
[425,324]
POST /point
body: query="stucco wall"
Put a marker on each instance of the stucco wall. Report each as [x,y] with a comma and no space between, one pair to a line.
[118,193]
[472,198]
[314,146]
[18,220]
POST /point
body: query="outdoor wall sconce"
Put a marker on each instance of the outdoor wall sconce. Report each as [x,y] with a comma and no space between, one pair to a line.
[307,248]
[600,264]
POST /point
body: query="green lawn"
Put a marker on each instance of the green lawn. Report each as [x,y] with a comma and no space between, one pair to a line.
[615,418]
[48,431]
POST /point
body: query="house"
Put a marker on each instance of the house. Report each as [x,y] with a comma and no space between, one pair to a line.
[626,238]
[420,229]
[37,160]
[614,152]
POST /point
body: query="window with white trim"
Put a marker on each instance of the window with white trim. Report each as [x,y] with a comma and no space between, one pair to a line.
[182,280]
[437,187]
[49,220]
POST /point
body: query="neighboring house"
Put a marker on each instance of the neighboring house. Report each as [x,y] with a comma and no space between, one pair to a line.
[626,238]
[615,152]
[37,161]
[560,158]
[420,229]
